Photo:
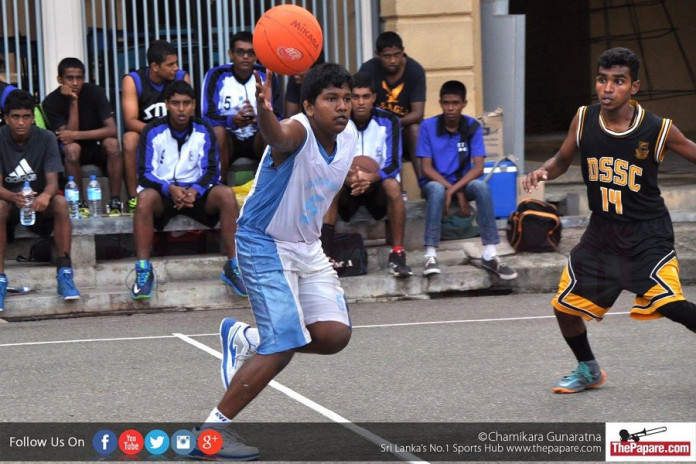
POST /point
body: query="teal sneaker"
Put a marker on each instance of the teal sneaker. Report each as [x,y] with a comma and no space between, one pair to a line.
[66,285]
[144,280]
[3,291]
[586,376]
[231,276]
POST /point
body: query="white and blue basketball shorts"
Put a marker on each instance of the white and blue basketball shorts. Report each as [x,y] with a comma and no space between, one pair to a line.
[290,286]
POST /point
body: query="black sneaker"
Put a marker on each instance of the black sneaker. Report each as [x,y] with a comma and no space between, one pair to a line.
[496,266]
[397,264]
[115,207]
[231,276]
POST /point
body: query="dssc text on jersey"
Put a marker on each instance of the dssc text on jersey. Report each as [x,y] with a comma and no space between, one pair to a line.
[615,171]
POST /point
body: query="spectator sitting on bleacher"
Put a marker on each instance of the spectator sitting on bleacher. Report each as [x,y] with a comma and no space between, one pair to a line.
[228,103]
[81,116]
[452,153]
[31,154]
[5,90]
[380,192]
[142,101]
[178,173]
[400,89]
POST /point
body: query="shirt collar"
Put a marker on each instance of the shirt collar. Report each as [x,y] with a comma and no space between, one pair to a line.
[441,130]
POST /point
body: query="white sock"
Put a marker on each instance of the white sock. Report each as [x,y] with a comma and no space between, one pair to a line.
[252,334]
[489,252]
[216,417]
[431,251]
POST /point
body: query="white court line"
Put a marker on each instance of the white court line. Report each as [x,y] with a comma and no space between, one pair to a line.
[85,340]
[371,326]
[376,439]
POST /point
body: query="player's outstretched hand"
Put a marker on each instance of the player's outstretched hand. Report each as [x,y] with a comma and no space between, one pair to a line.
[531,182]
[264,91]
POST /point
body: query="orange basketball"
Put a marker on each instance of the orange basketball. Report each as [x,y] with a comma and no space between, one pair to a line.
[288,39]
[366,163]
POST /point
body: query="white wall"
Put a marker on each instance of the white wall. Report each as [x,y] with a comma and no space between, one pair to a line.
[62,36]
[503,52]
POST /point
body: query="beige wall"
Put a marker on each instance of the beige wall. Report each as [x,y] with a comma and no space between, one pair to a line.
[444,36]
[663,66]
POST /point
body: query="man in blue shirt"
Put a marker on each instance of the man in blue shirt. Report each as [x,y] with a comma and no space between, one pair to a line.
[451,150]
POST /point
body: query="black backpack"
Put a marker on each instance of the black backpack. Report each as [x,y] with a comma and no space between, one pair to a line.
[535,227]
[349,255]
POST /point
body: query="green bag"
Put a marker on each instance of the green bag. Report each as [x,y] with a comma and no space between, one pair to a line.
[456,227]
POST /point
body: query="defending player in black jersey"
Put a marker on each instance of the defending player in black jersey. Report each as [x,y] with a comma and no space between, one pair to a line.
[629,243]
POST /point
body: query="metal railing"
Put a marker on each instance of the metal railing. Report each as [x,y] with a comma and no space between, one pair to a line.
[21,45]
[118,32]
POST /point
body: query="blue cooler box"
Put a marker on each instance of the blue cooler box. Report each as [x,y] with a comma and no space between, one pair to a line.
[503,185]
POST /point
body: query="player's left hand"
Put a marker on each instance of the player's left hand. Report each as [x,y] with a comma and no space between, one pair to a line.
[361,182]
[464,206]
[66,89]
[41,202]
[67,136]
[190,198]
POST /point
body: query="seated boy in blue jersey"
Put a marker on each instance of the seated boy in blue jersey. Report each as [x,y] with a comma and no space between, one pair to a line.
[82,118]
[142,101]
[179,174]
[295,294]
[379,137]
[31,154]
[228,100]
[629,242]
[450,147]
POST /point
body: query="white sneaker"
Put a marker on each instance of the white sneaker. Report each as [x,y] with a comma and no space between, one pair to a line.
[232,447]
[431,266]
[235,348]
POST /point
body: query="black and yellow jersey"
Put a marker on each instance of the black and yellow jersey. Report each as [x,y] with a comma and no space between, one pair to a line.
[620,168]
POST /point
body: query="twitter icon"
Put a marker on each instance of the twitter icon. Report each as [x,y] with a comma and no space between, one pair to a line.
[156,442]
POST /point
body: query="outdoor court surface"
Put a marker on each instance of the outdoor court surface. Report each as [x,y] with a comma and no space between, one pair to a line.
[465,359]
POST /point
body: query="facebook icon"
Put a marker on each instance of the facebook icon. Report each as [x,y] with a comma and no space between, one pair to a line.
[105,442]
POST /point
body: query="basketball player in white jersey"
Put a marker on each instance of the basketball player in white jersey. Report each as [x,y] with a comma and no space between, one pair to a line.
[295,294]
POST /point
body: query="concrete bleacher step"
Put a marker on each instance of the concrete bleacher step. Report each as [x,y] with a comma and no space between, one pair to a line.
[179,296]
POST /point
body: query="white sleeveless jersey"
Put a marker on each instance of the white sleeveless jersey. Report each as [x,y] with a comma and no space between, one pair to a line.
[288,202]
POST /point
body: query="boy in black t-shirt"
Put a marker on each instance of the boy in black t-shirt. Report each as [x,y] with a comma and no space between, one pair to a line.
[400,89]
[82,118]
[31,154]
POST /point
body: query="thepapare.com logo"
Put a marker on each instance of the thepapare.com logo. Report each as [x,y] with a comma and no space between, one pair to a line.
[651,441]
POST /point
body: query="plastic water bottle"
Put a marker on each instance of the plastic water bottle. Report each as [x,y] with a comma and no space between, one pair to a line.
[72,195]
[246,131]
[27,216]
[94,197]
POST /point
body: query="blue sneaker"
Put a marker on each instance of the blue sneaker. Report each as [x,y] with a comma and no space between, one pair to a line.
[231,276]
[144,280]
[586,376]
[3,291]
[232,447]
[236,348]
[66,286]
